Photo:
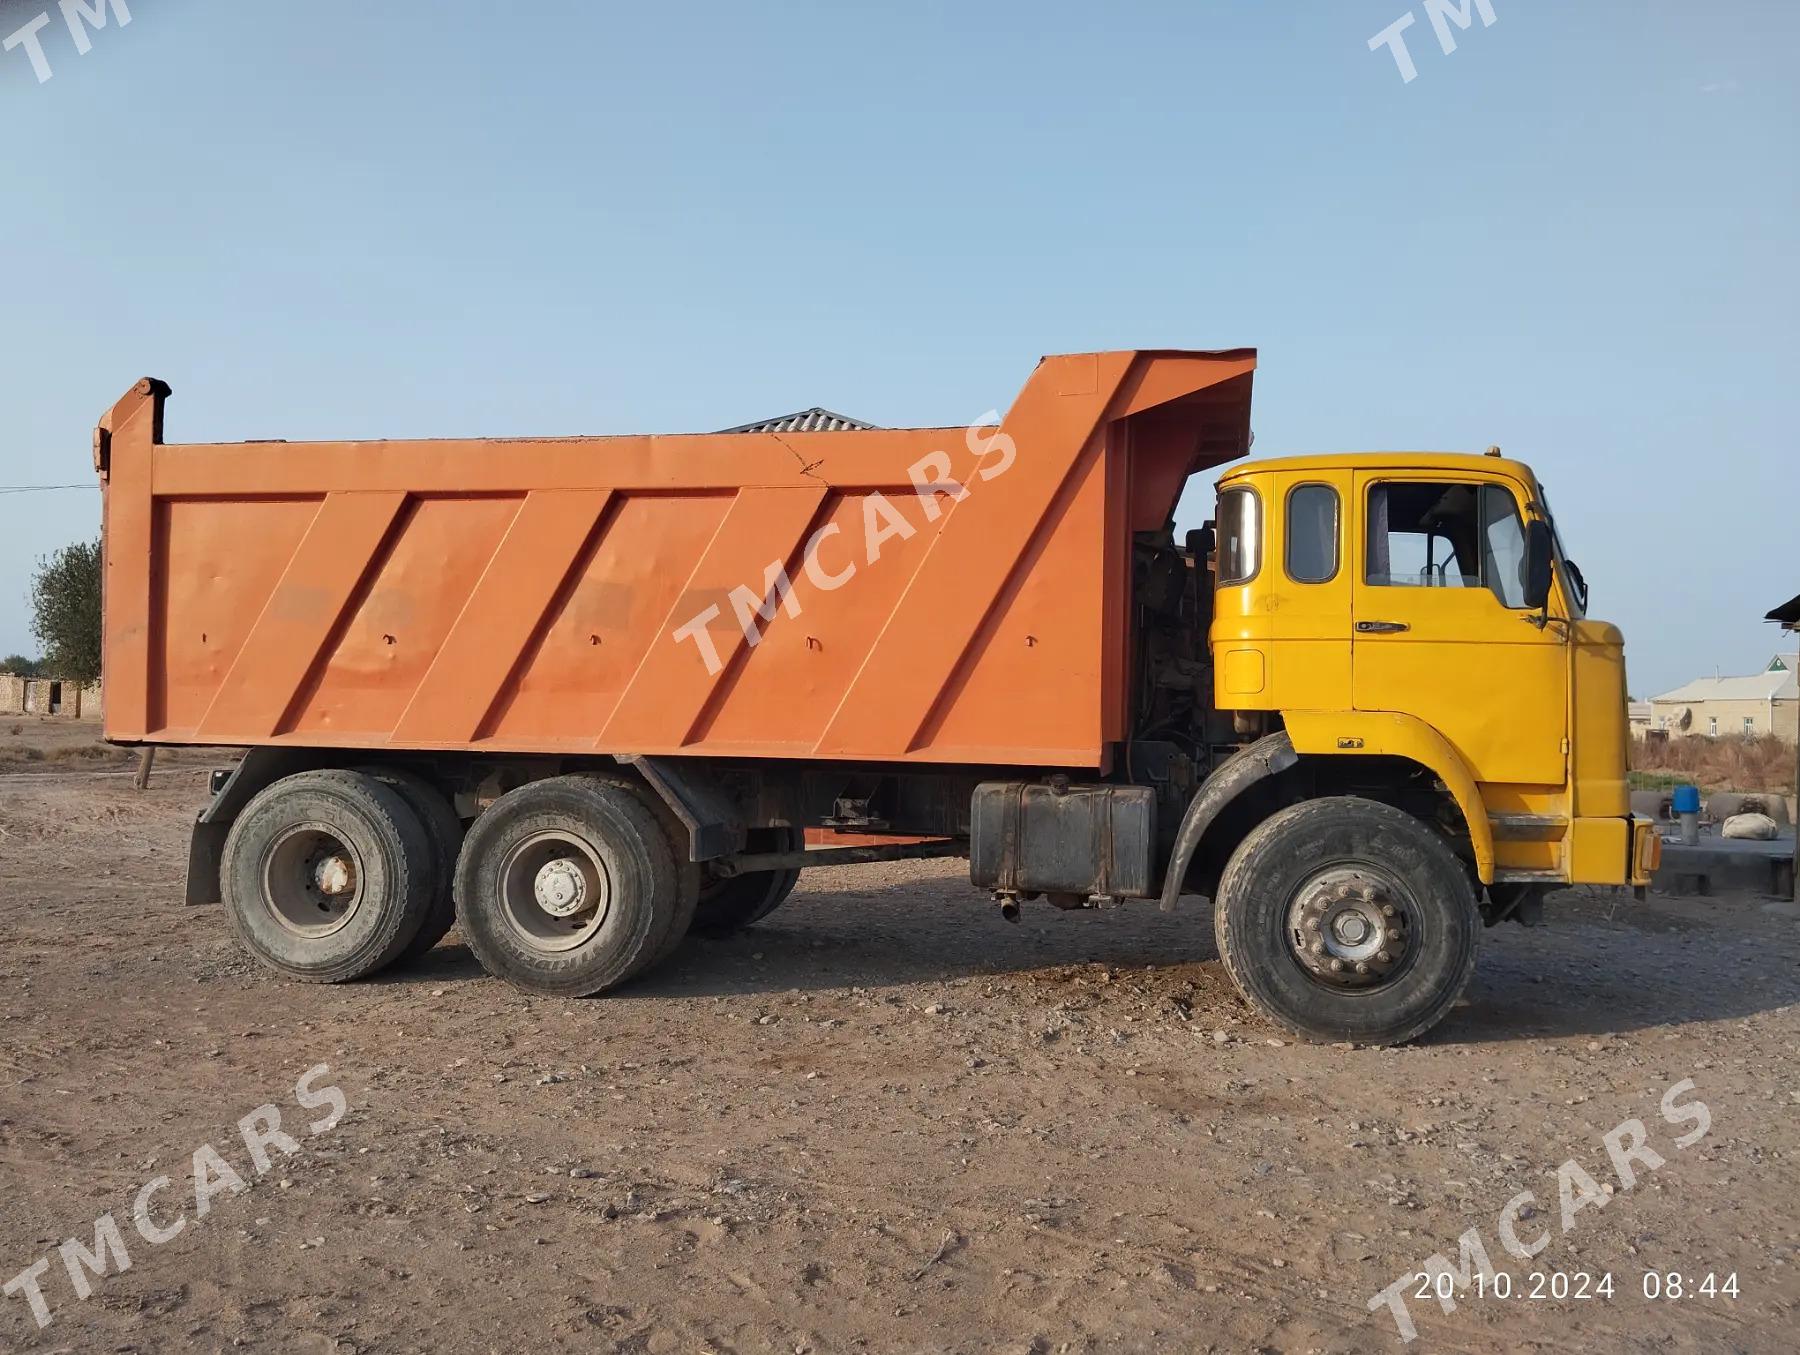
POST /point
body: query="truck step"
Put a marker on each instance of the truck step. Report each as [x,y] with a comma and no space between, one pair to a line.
[1528,827]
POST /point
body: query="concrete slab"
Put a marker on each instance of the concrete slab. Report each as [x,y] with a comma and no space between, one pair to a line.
[1717,863]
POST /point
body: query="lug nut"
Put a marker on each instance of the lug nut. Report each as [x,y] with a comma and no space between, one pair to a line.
[1385,957]
[1387,910]
[1362,966]
[1337,966]
[1393,933]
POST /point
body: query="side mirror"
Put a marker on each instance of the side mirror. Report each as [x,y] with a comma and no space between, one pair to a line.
[1537,564]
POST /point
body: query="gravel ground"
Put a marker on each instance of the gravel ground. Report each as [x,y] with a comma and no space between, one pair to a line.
[883,1120]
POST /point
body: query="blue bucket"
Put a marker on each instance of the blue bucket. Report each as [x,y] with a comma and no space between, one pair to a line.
[1686,800]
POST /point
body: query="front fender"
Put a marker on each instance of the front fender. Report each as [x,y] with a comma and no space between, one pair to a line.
[1380,733]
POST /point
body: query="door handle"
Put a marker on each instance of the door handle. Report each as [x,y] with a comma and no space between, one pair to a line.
[1380,627]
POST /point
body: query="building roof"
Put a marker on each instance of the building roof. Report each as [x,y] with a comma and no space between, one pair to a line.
[814,420]
[1777,684]
[1788,613]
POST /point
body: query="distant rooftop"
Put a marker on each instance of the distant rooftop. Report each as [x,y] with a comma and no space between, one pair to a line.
[814,420]
[1779,682]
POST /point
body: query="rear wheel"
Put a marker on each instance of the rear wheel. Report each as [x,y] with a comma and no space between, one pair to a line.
[324,876]
[567,886]
[687,872]
[729,905]
[444,832]
[1347,919]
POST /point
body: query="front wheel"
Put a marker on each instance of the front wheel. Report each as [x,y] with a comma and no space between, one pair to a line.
[1347,919]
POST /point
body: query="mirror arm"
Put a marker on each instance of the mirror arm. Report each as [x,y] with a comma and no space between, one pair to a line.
[1542,618]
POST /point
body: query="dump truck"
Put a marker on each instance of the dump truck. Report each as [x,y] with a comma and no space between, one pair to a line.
[583,696]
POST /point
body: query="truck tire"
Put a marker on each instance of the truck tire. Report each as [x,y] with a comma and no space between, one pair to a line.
[325,876]
[688,873]
[444,831]
[730,905]
[1347,919]
[567,887]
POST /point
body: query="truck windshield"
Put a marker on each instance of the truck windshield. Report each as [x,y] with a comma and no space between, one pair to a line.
[1574,583]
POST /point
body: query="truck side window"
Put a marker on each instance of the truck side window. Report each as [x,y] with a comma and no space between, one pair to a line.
[1240,535]
[1502,546]
[1422,535]
[1428,534]
[1312,533]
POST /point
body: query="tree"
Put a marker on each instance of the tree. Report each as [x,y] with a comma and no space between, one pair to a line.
[19,666]
[65,612]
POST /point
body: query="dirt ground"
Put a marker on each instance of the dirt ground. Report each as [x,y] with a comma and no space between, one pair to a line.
[883,1120]
[39,743]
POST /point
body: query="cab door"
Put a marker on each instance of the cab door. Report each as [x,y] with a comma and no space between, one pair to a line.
[1308,589]
[1440,628]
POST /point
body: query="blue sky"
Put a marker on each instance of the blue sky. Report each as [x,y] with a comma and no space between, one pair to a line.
[1573,236]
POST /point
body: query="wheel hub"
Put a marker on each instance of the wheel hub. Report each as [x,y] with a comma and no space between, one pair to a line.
[555,892]
[1349,927]
[560,889]
[311,880]
[333,875]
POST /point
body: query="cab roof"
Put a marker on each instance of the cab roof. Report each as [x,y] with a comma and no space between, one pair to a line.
[1463,462]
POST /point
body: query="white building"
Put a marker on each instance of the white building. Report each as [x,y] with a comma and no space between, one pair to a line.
[1761,703]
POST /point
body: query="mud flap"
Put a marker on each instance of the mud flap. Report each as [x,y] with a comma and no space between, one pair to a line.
[260,767]
[1269,756]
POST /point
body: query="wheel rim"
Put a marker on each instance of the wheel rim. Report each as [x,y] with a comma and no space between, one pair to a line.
[1353,926]
[312,881]
[555,891]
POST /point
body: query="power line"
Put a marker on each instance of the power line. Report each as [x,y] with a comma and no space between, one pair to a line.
[40,489]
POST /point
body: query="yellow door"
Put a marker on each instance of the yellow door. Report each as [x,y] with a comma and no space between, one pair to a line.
[1307,585]
[1441,630]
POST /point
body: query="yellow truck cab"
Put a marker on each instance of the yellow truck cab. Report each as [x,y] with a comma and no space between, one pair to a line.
[1430,733]
[1421,607]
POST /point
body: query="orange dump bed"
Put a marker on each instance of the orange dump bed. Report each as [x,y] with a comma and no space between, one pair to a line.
[925,595]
